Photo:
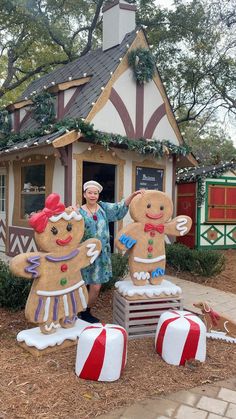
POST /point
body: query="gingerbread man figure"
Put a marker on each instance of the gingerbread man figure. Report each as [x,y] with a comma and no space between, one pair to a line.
[58,292]
[145,237]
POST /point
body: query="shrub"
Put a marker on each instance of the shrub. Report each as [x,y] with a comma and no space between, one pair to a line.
[200,262]
[119,269]
[13,290]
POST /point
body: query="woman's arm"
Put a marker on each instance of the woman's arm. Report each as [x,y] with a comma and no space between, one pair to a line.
[130,197]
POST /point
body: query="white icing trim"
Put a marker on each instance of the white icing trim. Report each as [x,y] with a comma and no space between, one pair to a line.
[127,288]
[221,336]
[66,307]
[92,252]
[46,311]
[34,337]
[66,216]
[179,226]
[60,292]
[82,298]
[157,259]
[141,275]
[51,326]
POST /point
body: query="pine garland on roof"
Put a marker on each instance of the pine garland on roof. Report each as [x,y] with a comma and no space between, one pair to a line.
[142,146]
[189,175]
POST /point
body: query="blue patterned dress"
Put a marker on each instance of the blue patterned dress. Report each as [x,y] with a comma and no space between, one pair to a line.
[101,271]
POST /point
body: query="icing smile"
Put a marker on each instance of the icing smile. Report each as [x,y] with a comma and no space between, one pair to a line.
[154,216]
[64,242]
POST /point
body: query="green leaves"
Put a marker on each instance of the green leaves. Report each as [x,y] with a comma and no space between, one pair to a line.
[143,64]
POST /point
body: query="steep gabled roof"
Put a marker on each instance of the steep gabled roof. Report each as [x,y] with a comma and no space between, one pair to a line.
[98,64]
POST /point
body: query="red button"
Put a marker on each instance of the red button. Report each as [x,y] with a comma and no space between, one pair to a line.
[64,267]
[152,233]
[150,249]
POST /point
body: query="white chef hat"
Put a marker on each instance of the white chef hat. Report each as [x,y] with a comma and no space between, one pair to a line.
[92,184]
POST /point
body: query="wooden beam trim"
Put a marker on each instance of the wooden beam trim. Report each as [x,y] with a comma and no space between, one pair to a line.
[66,139]
[19,105]
[69,84]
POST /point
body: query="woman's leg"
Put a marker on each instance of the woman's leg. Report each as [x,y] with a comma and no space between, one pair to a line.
[93,293]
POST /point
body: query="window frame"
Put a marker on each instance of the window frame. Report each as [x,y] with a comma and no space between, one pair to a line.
[209,205]
[31,160]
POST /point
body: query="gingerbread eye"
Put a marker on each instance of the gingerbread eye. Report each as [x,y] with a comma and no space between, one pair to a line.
[54,230]
[69,227]
[148,205]
[161,207]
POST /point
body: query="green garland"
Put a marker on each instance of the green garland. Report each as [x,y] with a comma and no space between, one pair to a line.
[5,122]
[43,108]
[143,64]
[107,140]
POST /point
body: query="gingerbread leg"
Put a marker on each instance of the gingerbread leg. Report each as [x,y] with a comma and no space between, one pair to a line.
[140,278]
[49,328]
[157,276]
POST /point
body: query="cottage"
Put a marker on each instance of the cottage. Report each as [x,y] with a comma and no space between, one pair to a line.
[118,90]
[208,196]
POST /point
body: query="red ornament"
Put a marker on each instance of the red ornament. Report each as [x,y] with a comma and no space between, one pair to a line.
[150,249]
[64,267]
[95,217]
[152,233]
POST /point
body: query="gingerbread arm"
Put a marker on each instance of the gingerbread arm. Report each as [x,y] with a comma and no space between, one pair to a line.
[89,250]
[26,265]
[179,226]
[127,237]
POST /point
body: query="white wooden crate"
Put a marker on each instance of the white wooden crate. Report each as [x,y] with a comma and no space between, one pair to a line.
[140,317]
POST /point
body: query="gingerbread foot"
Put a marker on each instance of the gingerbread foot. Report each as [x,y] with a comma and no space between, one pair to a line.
[49,328]
[157,276]
[68,322]
[140,278]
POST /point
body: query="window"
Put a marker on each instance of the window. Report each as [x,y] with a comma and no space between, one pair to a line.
[221,205]
[32,189]
[33,177]
[2,193]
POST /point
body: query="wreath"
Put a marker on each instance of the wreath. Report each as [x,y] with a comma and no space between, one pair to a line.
[5,121]
[143,64]
[43,108]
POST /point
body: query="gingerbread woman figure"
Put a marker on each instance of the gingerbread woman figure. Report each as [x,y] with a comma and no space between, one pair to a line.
[58,292]
[145,237]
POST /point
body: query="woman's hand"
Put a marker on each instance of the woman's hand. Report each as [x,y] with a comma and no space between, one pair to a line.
[130,197]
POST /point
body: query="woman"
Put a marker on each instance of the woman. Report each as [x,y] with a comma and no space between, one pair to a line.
[97,216]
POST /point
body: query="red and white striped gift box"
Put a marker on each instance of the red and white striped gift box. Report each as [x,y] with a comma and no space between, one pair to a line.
[180,336]
[101,352]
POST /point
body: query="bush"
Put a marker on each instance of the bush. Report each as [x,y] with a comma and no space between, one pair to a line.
[200,262]
[119,269]
[13,290]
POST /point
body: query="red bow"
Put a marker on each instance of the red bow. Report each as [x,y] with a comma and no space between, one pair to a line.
[53,206]
[153,227]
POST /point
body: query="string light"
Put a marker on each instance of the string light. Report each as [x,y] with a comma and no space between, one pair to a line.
[89,148]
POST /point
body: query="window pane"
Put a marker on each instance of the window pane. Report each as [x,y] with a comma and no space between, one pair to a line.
[215,213]
[33,189]
[231,195]
[231,214]
[216,195]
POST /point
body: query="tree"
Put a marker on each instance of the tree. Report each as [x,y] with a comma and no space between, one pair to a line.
[37,35]
[194,46]
[209,142]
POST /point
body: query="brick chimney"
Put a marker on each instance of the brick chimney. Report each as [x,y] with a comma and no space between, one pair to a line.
[118,20]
